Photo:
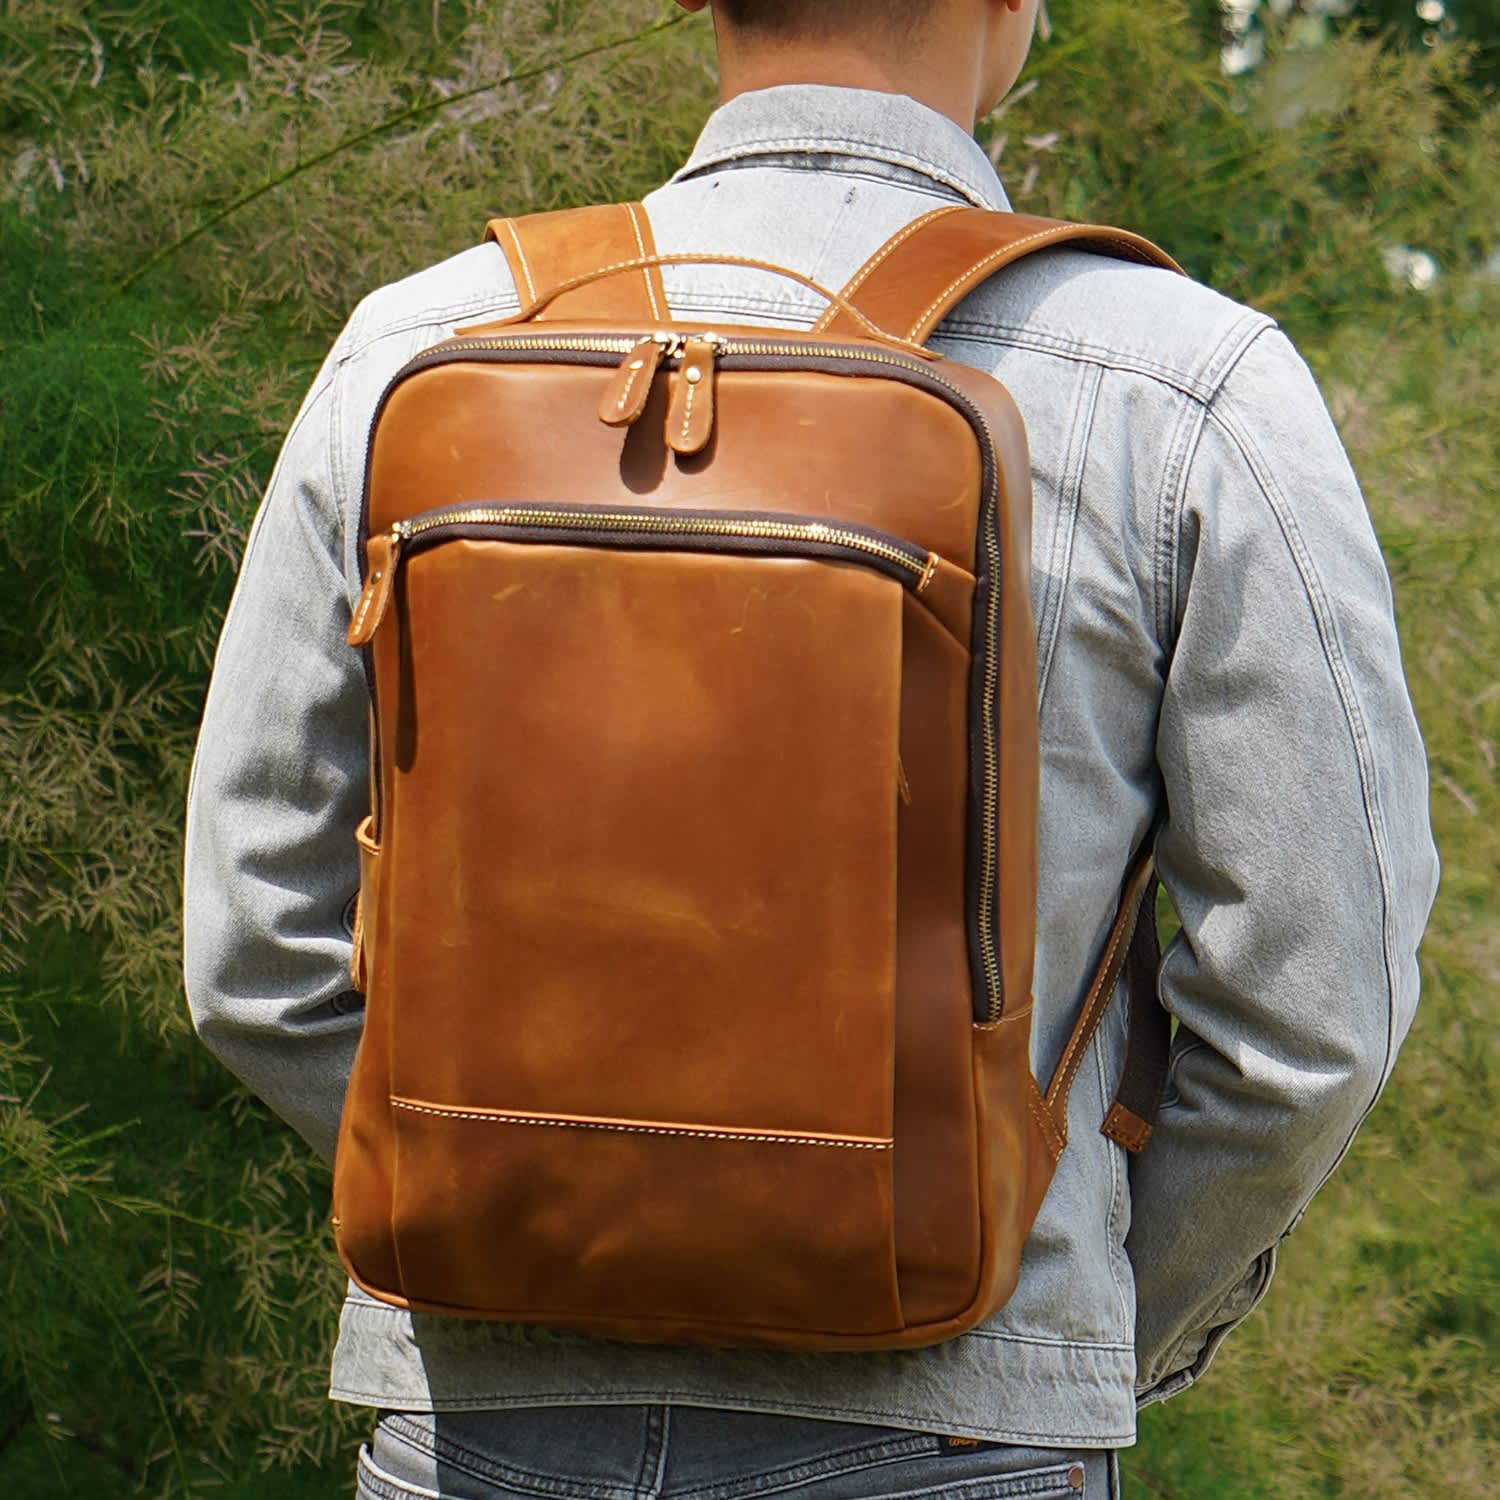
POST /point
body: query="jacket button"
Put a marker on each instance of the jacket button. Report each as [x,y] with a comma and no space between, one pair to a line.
[1075,1477]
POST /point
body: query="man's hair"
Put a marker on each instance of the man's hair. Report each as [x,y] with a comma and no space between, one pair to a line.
[823,17]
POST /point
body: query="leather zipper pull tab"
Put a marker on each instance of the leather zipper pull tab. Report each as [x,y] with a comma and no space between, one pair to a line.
[381,555]
[690,422]
[625,396]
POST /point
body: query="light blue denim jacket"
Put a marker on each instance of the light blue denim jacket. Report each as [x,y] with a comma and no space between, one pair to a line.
[1218,660]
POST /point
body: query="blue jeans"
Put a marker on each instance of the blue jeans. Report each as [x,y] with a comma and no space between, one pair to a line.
[692,1453]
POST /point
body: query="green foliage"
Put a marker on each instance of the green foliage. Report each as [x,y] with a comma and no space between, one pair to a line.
[1283,187]
[192,198]
[161,1237]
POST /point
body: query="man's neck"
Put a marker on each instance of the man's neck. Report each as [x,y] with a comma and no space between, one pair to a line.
[944,89]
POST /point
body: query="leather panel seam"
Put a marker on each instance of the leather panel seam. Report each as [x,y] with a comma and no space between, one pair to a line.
[643,1127]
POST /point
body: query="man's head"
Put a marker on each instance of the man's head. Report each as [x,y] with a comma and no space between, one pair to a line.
[959,56]
[889,18]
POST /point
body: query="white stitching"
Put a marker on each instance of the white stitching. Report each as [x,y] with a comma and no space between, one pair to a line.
[687,407]
[363,610]
[635,372]
[863,274]
[978,269]
[1078,1038]
[521,256]
[874,261]
[1050,1133]
[640,245]
[712,1135]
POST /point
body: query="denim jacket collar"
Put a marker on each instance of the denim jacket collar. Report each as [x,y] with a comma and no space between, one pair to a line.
[818,119]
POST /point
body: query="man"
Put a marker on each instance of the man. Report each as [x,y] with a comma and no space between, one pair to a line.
[1217,660]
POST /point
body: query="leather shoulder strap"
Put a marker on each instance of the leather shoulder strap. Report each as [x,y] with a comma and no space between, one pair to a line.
[910,284]
[545,250]
[1131,951]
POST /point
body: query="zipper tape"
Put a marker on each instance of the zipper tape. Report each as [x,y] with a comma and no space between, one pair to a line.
[817,355]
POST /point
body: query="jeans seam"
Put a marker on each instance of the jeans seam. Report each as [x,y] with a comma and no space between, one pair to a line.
[850,1460]
[658,1439]
[372,1481]
[480,1466]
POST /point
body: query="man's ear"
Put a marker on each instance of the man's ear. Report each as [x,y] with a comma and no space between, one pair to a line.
[694,6]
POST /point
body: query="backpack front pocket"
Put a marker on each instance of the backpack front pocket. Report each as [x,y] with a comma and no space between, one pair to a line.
[640,778]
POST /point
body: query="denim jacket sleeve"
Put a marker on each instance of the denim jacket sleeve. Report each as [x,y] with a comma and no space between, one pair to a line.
[277,786]
[1296,849]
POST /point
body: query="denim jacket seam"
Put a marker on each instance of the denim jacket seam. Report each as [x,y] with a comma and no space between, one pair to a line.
[497,302]
[1182,451]
[828,145]
[1221,414]
[1079,352]
[338,480]
[842,1411]
[1234,345]
[912,182]
[1065,528]
[365,1303]
[771,307]
[1114,1241]
[1073,1346]
[1201,385]
[1229,351]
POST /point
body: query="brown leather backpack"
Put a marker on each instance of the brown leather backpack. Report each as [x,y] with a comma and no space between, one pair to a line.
[698,893]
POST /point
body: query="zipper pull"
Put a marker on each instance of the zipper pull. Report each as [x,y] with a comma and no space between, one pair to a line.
[626,394]
[381,555]
[690,422]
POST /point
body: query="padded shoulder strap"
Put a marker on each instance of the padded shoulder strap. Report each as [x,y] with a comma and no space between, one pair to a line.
[545,250]
[909,285]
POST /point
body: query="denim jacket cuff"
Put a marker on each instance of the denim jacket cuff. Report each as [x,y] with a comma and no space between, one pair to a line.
[1193,1353]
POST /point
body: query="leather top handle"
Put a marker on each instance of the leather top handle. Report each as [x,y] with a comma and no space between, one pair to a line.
[916,278]
[576,263]
[863,325]
[542,248]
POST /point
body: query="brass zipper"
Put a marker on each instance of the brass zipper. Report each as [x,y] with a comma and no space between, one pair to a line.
[810,537]
[676,523]
[672,344]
